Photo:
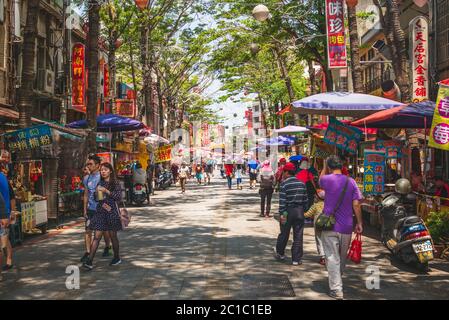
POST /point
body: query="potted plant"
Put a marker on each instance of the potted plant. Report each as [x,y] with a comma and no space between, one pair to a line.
[438,225]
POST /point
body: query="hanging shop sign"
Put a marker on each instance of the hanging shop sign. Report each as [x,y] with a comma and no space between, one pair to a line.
[125,107]
[163,154]
[78,78]
[29,138]
[420,58]
[105,80]
[374,172]
[106,157]
[439,133]
[321,149]
[392,148]
[342,136]
[336,41]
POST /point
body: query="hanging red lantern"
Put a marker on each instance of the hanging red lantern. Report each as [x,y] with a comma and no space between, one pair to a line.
[142,4]
[352,3]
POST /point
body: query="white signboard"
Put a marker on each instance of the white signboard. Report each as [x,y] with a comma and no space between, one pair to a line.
[420,58]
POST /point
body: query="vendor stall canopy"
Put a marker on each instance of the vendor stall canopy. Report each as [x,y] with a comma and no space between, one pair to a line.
[110,123]
[279,141]
[291,130]
[415,115]
[341,104]
[324,125]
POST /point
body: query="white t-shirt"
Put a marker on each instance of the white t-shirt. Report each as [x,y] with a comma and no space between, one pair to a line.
[238,173]
[183,172]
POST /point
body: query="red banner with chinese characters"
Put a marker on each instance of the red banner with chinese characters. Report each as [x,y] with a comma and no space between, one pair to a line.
[106,80]
[420,58]
[125,107]
[336,40]
[78,78]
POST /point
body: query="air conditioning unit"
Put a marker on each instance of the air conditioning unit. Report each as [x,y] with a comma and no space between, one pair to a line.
[49,82]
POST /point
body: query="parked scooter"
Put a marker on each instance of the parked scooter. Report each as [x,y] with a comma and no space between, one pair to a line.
[165,180]
[403,232]
[139,194]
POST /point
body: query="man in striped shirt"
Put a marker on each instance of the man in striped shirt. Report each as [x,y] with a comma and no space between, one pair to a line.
[292,200]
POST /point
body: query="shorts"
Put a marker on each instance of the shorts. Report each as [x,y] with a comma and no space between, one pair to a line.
[253,176]
[90,214]
[239,180]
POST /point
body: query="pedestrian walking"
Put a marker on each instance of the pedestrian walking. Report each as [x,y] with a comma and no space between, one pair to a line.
[252,168]
[90,204]
[150,176]
[315,210]
[184,172]
[106,219]
[8,195]
[3,229]
[342,199]
[238,176]
[267,183]
[199,173]
[174,171]
[229,172]
[209,169]
[292,200]
[306,176]
[280,173]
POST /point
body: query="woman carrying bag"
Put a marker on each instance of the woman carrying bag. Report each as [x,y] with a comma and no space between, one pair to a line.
[107,217]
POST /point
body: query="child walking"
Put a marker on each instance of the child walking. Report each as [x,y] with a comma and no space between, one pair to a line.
[314,212]
[238,175]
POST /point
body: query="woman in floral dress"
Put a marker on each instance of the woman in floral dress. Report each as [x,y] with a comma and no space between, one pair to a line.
[107,218]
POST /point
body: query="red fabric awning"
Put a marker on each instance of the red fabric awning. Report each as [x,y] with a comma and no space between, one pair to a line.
[324,125]
[287,109]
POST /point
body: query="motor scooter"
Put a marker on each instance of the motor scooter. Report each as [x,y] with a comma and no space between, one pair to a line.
[165,180]
[403,232]
[139,194]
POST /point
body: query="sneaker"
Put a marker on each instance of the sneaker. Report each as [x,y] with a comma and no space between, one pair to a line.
[297,263]
[88,265]
[115,262]
[277,256]
[336,294]
[106,252]
[7,267]
[85,257]
[322,261]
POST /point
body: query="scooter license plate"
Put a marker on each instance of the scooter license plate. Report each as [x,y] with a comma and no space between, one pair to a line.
[138,192]
[423,246]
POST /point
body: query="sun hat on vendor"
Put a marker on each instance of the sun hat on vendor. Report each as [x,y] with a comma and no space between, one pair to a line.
[266,167]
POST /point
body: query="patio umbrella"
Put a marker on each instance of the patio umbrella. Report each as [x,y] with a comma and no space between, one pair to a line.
[415,115]
[279,141]
[292,129]
[252,161]
[296,158]
[110,123]
[343,104]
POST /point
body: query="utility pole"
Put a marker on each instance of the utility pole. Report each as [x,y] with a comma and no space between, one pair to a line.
[67,61]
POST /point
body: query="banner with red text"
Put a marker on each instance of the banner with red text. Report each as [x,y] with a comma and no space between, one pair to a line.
[336,40]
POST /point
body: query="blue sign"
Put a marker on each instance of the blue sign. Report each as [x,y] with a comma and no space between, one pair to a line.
[342,136]
[29,138]
[374,172]
[392,148]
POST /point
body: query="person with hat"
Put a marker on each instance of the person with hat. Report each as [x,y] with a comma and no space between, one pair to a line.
[292,200]
[306,176]
[279,172]
[315,210]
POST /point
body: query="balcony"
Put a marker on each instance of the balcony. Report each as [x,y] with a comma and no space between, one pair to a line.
[374,84]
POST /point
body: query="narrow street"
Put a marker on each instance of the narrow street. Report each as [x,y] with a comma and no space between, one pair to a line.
[207,244]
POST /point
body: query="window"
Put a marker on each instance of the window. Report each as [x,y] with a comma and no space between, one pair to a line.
[443,31]
[256,119]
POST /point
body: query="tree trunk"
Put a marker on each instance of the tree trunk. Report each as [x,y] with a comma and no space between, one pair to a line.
[133,71]
[284,73]
[357,74]
[93,68]
[313,89]
[161,106]
[144,62]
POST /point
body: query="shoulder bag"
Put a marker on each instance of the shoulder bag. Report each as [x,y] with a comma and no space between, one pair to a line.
[326,223]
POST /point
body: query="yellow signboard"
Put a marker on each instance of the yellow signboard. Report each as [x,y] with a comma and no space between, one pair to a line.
[163,154]
[439,133]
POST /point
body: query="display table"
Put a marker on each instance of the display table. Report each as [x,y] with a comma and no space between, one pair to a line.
[34,215]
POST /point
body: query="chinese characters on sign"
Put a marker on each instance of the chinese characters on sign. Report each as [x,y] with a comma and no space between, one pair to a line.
[439,133]
[105,157]
[420,58]
[125,107]
[106,81]
[78,78]
[163,154]
[374,172]
[392,148]
[29,138]
[342,136]
[336,41]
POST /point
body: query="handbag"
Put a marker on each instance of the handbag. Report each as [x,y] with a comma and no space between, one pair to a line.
[125,215]
[355,251]
[326,222]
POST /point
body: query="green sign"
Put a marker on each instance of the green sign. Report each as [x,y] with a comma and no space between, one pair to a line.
[29,138]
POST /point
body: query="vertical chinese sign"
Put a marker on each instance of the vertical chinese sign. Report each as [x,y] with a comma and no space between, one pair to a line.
[106,81]
[374,172]
[420,58]
[78,78]
[342,136]
[336,41]
[439,133]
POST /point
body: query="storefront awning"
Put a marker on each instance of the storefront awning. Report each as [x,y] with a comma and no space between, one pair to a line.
[14,115]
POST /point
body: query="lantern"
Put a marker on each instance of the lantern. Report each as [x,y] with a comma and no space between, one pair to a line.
[141,4]
[420,3]
[261,12]
[352,3]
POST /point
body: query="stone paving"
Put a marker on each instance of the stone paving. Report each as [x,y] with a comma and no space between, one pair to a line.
[206,244]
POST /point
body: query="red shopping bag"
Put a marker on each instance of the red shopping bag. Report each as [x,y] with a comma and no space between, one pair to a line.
[355,251]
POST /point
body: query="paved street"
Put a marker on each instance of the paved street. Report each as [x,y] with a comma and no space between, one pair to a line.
[207,244]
